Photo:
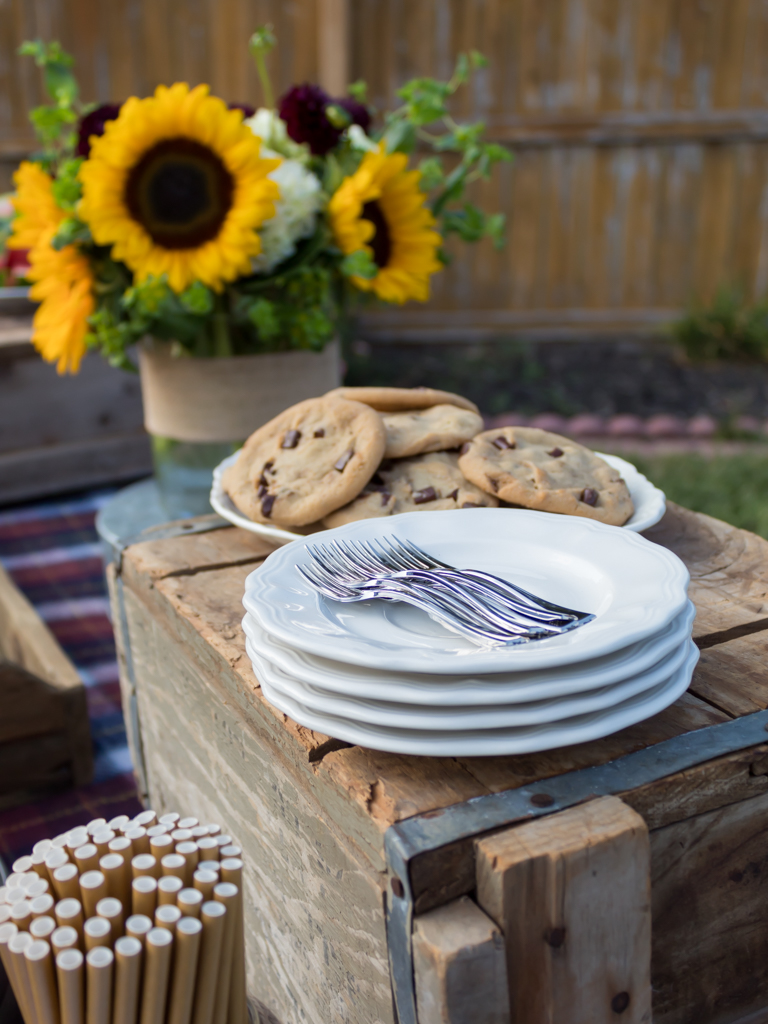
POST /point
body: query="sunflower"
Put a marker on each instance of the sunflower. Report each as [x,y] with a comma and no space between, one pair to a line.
[176,186]
[381,209]
[62,280]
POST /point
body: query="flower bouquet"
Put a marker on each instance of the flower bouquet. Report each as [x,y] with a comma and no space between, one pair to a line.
[244,238]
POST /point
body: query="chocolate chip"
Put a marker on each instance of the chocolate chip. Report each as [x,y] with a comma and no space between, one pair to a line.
[471,504]
[385,496]
[501,442]
[589,496]
[266,505]
[465,447]
[556,453]
[261,491]
[344,460]
[269,465]
[493,484]
[319,433]
[263,480]
[423,496]
[454,494]
[291,439]
[385,465]
[377,478]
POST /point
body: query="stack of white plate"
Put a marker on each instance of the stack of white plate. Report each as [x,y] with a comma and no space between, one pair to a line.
[385,675]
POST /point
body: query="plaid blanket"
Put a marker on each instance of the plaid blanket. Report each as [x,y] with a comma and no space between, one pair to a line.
[52,552]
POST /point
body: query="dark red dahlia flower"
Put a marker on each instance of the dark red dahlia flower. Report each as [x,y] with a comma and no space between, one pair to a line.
[303,110]
[94,124]
[247,109]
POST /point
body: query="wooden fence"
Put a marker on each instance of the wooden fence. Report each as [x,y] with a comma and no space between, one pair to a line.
[639,127]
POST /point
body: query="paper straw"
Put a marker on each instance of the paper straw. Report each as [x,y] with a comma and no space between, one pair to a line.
[139,840]
[5,913]
[2,894]
[21,914]
[145,864]
[191,854]
[75,840]
[38,888]
[168,888]
[169,819]
[87,859]
[38,866]
[226,893]
[198,832]
[71,978]
[93,887]
[237,1013]
[204,882]
[101,840]
[209,865]
[97,931]
[64,938]
[42,927]
[188,934]
[230,851]
[157,967]
[42,979]
[181,835]
[189,902]
[144,895]
[14,894]
[209,848]
[120,844]
[7,932]
[168,917]
[157,830]
[99,965]
[212,915]
[70,912]
[112,910]
[213,830]
[22,865]
[160,846]
[54,859]
[41,905]
[65,882]
[28,879]
[188,822]
[117,823]
[117,873]
[59,842]
[223,839]
[17,946]
[174,864]
[97,825]
[145,819]
[128,956]
[42,846]
[137,926]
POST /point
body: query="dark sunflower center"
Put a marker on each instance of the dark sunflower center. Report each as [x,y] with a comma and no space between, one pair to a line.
[381,243]
[180,192]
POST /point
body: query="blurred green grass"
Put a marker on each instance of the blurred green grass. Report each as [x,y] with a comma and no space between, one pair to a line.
[729,487]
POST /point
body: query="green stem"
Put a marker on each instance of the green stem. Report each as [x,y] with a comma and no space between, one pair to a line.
[222,343]
[266,84]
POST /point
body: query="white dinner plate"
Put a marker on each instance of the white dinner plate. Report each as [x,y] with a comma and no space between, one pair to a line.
[461,719]
[634,589]
[649,501]
[448,691]
[492,742]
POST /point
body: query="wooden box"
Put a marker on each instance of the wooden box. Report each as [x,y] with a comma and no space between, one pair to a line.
[45,737]
[623,879]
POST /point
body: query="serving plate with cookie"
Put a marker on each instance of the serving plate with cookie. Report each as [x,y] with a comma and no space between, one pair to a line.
[374,453]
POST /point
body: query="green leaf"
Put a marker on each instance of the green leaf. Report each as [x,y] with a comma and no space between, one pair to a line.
[264,317]
[431,174]
[70,231]
[66,187]
[400,137]
[197,299]
[358,91]
[262,41]
[338,116]
[359,264]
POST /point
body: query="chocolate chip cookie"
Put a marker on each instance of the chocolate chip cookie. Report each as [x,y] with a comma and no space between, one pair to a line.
[401,399]
[309,460]
[428,482]
[429,430]
[539,470]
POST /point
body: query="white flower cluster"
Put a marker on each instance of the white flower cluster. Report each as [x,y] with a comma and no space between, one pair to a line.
[300,194]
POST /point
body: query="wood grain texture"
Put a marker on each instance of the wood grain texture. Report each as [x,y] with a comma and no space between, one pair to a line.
[571,892]
[459,966]
[709,876]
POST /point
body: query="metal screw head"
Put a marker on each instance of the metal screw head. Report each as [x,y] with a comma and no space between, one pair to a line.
[542,800]
[620,1002]
[397,888]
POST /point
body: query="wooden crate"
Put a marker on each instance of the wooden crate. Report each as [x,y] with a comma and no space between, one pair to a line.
[601,882]
[59,433]
[45,737]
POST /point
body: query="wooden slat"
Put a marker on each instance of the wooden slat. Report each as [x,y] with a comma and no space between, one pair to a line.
[571,892]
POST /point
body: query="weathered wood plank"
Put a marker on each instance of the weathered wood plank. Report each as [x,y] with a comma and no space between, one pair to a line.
[709,891]
[732,676]
[459,966]
[571,892]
